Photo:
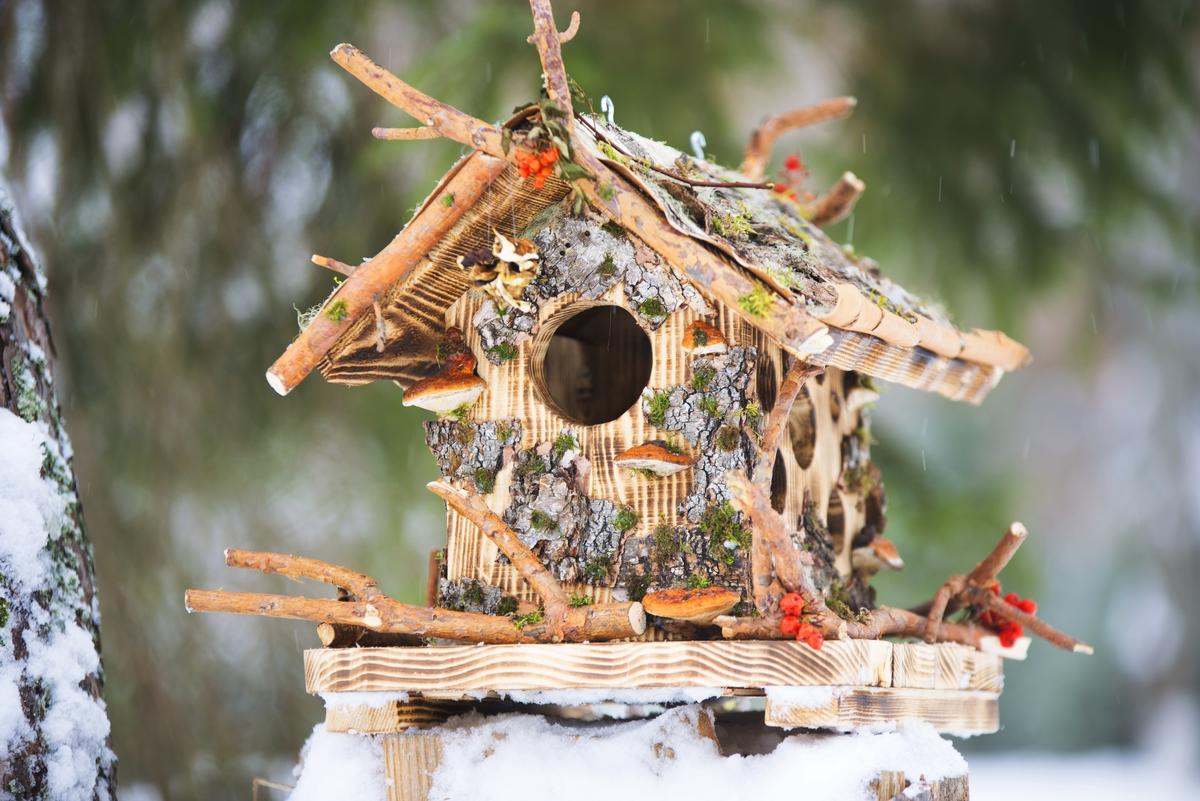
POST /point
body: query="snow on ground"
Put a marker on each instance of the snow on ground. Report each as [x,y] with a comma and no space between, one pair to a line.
[1096,776]
[529,758]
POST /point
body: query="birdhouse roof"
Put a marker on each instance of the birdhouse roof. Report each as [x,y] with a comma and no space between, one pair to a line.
[737,240]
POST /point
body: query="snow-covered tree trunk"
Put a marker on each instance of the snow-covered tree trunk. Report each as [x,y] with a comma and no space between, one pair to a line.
[54,730]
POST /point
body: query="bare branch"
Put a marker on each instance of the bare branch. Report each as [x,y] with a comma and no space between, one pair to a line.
[546,39]
[836,204]
[758,151]
[332,264]
[568,34]
[997,605]
[446,120]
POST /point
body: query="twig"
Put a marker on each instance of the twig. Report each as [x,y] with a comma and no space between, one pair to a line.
[405,134]
[993,603]
[332,264]
[473,507]
[446,120]
[373,610]
[546,39]
[836,204]
[650,165]
[775,560]
[758,151]
[257,782]
[568,34]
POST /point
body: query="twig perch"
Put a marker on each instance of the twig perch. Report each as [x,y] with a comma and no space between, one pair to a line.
[958,591]
[836,204]
[369,608]
[332,264]
[762,140]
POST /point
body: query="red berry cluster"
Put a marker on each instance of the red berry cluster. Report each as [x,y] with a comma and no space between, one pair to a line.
[1009,630]
[791,177]
[537,165]
[792,604]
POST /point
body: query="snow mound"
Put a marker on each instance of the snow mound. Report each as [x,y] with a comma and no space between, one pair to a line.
[529,758]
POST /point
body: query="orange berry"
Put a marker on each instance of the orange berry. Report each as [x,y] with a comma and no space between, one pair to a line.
[539,181]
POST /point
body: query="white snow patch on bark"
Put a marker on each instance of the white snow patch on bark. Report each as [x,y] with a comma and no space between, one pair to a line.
[61,654]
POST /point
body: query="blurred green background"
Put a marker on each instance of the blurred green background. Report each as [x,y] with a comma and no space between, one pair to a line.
[1036,166]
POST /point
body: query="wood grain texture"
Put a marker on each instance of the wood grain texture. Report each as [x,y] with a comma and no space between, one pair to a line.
[960,712]
[891,783]
[947,666]
[409,761]
[395,716]
[725,664]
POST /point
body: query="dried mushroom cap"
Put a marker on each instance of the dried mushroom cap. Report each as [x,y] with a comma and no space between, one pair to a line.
[515,250]
[654,456]
[701,339]
[699,606]
[451,387]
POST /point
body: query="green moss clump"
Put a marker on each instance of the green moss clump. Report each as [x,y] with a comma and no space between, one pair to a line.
[596,569]
[645,472]
[540,521]
[625,520]
[503,351]
[665,546]
[579,600]
[721,524]
[564,442]
[612,154]
[699,336]
[3,612]
[703,377]
[503,431]
[698,582]
[448,199]
[473,594]
[758,302]
[608,267]
[733,226]
[708,405]
[752,413]
[337,311]
[659,404]
[506,605]
[652,308]
[485,480]
[521,621]
[613,229]
[728,438]
[461,413]
[636,585]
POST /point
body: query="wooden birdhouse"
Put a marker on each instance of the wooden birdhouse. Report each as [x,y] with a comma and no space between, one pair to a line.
[651,379]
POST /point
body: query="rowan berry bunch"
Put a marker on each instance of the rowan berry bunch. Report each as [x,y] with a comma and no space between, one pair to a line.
[1009,631]
[791,179]
[792,605]
[537,165]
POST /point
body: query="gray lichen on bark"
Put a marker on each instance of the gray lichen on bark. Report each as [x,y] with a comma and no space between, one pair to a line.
[709,414]
[586,256]
[472,452]
[473,595]
[574,535]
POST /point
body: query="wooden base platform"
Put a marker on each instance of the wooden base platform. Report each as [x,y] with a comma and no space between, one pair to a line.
[867,682]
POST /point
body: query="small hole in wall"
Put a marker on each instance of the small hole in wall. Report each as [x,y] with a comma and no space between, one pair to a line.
[779,481]
[835,521]
[802,426]
[591,365]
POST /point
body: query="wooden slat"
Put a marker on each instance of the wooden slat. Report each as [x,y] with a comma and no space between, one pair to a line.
[945,667]
[409,761]
[961,712]
[394,716]
[597,665]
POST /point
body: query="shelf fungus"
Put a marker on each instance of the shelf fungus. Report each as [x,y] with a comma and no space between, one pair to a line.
[702,339]
[454,386]
[655,456]
[699,606]
[879,554]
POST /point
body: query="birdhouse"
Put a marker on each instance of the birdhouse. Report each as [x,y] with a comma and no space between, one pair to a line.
[649,379]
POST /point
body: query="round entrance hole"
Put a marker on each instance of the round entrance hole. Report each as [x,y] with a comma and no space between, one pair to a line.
[591,365]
